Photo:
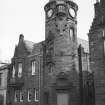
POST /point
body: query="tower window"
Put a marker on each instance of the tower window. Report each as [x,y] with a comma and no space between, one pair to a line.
[71,32]
[13,72]
[33,68]
[50,68]
[19,69]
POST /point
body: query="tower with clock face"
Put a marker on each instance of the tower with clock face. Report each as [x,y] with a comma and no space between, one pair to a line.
[61,77]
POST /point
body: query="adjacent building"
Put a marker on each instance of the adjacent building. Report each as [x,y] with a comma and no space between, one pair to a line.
[97,51]
[3,83]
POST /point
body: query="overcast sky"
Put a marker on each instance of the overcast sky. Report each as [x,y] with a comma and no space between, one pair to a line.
[28,17]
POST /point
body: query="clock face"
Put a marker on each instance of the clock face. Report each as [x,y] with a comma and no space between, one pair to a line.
[72,12]
[49,13]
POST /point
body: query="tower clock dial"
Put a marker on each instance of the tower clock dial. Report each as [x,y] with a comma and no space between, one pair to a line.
[72,12]
[49,13]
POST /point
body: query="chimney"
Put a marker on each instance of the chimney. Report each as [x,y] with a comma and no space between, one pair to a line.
[97,9]
[21,37]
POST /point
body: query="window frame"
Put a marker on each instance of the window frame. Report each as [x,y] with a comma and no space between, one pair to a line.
[20,73]
[29,93]
[13,71]
[50,68]
[33,67]
[73,35]
[36,92]
[1,78]
[15,96]
[21,95]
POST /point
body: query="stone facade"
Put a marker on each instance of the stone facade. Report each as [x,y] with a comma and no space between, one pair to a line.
[57,76]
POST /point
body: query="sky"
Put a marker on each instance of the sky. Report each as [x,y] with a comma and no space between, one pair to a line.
[27,17]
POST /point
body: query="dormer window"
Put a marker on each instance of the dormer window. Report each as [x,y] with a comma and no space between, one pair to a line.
[33,67]
[13,71]
[19,69]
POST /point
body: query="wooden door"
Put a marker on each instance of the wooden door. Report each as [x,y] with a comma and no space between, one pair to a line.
[62,99]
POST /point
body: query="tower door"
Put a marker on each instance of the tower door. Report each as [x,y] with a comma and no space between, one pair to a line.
[62,99]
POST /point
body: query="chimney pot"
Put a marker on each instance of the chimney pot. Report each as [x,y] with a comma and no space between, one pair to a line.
[21,37]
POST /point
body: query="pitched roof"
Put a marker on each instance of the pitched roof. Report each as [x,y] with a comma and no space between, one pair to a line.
[29,45]
[84,44]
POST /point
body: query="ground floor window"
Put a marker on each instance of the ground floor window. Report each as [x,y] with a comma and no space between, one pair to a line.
[36,91]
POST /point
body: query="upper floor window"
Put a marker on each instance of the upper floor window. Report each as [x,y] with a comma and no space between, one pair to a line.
[71,32]
[0,79]
[36,94]
[33,68]
[19,69]
[13,72]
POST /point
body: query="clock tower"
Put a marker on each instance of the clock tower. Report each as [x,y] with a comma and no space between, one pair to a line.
[61,75]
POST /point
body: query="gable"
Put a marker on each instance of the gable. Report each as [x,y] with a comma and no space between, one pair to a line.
[20,50]
[24,47]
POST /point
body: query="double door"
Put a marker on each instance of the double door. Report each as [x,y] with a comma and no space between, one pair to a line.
[62,99]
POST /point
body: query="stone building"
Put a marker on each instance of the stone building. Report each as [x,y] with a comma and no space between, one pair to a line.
[3,83]
[97,51]
[47,73]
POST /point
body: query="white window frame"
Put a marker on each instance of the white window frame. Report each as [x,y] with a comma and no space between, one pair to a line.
[13,71]
[29,100]
[21,95]
[36,93]
[15,97]
[71,32]
[20,69]
[33,67]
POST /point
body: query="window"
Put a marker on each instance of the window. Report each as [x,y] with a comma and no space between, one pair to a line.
[46,98]
[0,79]
[13,72]
[50,68]
[16,96]
[36,94]
[21,96]
[29,95]
[104,40]
[71,32]
[33,67]
[19,69]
